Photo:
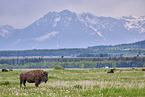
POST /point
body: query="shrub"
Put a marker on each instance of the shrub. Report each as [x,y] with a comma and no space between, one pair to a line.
[78,86]
[58,68]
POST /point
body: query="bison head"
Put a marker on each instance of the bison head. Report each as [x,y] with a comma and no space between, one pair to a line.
[44,76]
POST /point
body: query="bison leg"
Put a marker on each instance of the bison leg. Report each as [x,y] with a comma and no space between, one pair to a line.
[37,82]
[24,83]
[20,84]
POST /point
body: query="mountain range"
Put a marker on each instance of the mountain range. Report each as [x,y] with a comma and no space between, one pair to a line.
[67,29]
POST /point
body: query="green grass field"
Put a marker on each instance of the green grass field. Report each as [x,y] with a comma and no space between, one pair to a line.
[77,83]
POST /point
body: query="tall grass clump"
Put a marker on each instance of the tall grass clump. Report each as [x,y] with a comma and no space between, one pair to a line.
[5,83]
[58,68]
[78,86]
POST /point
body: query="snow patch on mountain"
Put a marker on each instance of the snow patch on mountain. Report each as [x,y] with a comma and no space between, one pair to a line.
[134,22]
[93,28]
[99,33]
[4,32]
[88,19]
[57,19]
[47,36]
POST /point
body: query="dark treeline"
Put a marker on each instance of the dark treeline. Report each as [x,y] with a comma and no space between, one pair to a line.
[73,62]
[45,52]
[22,61]
[109,50]
[93,55]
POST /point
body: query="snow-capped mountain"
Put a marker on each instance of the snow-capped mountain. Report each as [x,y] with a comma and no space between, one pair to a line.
[135,23]
[67,29]
[6,31]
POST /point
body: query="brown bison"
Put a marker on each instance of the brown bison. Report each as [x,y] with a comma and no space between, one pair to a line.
[143,69]
[33,76]
[112,71]
[4,70]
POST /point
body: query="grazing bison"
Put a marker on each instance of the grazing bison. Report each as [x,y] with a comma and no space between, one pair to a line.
[112,71]
[143,69]
[33,76]
[4,70]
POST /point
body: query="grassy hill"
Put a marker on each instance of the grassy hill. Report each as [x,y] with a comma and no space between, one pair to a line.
[131,49]
[132,46]
[128,50]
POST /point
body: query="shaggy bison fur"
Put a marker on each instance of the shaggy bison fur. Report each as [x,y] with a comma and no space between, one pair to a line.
[112,71]
[4,70]
[33,76]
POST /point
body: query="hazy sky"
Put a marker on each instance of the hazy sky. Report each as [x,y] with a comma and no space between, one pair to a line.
[21,13]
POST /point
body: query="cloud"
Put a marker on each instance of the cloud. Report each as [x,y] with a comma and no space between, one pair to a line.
[45,37]
[17,41]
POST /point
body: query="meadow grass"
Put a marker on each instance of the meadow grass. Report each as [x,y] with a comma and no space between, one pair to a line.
[77,83]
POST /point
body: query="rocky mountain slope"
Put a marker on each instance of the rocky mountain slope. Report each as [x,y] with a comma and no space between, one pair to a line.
[67,29]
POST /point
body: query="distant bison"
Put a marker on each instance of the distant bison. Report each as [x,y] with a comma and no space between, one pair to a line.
[4,70]
[10,70]
[33,76]
[143,69]
[112,71]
